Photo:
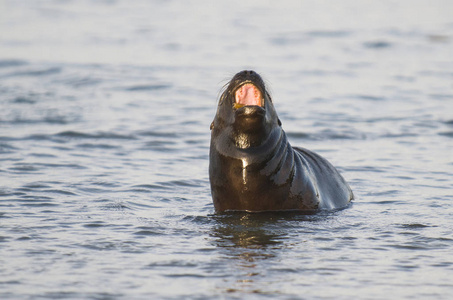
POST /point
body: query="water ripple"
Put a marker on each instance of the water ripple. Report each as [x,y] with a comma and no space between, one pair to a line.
[35,73]
[147,87]
[100,135]
[8,63]
[377,44]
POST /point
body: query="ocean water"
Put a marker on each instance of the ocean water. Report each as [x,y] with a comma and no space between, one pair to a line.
[105,109]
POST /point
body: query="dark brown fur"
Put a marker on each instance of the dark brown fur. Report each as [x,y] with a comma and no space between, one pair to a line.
[253,167]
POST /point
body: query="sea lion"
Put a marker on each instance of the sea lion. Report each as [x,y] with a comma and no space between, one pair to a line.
[252,166]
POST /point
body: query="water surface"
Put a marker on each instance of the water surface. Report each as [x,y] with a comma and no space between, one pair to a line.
[105,109]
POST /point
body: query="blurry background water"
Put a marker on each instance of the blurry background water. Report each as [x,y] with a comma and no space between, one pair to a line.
[105,109]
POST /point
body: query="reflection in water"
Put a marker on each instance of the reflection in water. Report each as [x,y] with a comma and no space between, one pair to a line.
[249,239]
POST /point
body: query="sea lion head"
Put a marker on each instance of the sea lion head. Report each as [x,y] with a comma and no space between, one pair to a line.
[245,111]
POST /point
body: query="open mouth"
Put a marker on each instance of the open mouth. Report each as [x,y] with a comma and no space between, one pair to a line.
[248,95]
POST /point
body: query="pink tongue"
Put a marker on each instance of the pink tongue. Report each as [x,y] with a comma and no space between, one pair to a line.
[248,94]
